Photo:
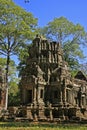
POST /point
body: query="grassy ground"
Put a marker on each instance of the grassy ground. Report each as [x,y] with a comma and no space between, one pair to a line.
[28,126]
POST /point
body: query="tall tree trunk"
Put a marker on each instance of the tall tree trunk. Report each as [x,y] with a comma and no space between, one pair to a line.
[7,71]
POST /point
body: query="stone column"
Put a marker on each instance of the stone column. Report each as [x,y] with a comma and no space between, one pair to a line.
[49,56]
[64,96]
[41,113]
[80,98]
[29,113]
[34,95]
[60,97]
[51,115]
[38,95]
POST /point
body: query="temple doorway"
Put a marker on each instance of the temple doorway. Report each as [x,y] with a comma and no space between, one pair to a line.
[29,96]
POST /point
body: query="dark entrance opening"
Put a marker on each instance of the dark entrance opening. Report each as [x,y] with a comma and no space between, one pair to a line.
[55,113]
[55,94]
[29,96]
[41,93]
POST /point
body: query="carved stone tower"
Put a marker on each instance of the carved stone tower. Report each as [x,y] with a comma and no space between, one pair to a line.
[44,58]
[46,82]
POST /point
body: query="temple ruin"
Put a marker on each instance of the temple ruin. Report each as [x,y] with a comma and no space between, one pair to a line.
[48,91]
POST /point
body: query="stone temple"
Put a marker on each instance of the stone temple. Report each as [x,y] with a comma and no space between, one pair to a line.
[48,91]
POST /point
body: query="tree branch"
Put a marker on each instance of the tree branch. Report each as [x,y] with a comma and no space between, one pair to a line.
[3,53]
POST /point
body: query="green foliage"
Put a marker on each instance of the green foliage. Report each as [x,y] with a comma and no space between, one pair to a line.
[59,29]
[72,53]
[12,66]
[71,36]
[14,95]
[3,64]
[23,59]
[16,27]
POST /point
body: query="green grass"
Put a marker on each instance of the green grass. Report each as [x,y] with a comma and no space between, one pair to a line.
[29,126]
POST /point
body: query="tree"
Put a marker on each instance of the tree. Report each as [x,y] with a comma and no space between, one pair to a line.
[17,28]
[71,37]
[13,93]
[84,68]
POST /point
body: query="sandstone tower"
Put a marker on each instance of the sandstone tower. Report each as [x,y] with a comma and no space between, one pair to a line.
[47,88]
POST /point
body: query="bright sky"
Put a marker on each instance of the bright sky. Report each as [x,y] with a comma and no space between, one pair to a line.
[46,10]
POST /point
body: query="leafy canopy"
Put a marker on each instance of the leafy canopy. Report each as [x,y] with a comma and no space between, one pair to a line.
[16,27]
[71,36]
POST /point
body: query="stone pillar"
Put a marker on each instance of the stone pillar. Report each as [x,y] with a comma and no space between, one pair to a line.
[69,95]
[40,47]
[80,98]
[61,113]
[64,96]
[49,56]
[60,98]
[56,59]
[38,95]
[29,113]
[41,113]
[50,109]
[34,95]
[51,115]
